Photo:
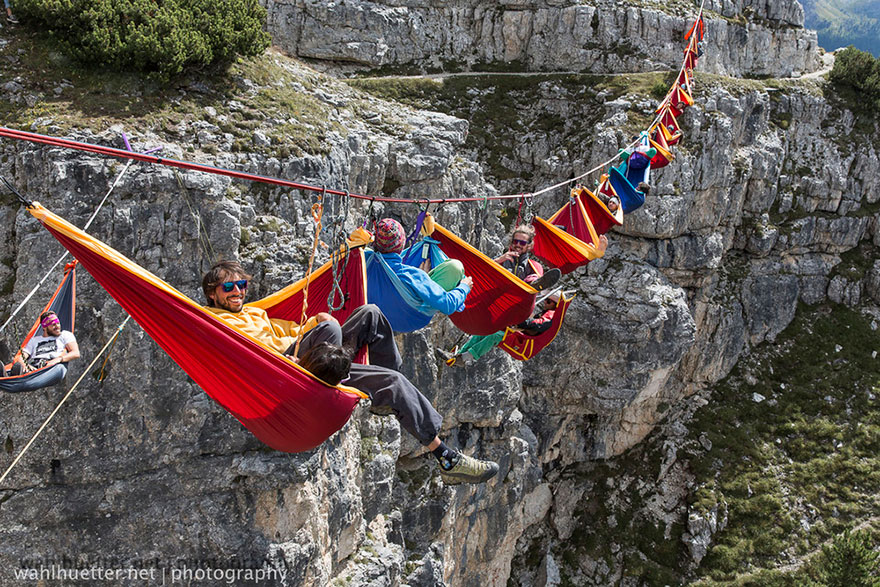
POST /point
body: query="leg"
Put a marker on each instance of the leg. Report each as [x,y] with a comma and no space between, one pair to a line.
[368,326]
[324,332]
[478,346]
[390,388]
[447,274]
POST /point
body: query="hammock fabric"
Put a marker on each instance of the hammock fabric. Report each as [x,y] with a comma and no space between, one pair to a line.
[405,312]
[678,100]
[523,347]
[497,299]
[281,403]
[569,247]
[63,303]
[664,156]
[598,213]
[669,126]
[631,199]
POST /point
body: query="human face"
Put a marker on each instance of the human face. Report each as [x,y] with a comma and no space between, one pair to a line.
[520,243]
[53,329]
[232,300]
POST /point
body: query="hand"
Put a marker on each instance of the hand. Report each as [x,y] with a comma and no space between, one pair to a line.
[603,243]
[325,317]
[55,361]
[508,256]
[468,281]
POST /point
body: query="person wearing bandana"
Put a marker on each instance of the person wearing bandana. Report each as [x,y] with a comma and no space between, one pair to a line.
[54,347]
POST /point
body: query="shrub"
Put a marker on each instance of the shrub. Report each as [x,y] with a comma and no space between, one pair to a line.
[858,70]
[850,561]
[160,37]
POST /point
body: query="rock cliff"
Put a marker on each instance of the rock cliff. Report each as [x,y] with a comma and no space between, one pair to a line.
[774,185]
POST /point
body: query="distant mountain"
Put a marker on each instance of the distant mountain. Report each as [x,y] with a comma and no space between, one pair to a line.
[841,23]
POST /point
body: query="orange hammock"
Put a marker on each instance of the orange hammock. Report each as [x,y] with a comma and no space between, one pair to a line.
[63,303]
[522,346]
[281,403]
[498,298]
[678,100]
[669,126]
[574,244]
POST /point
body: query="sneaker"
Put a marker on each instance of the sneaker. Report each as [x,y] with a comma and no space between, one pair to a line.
[469,470]
[549,279]
[11,19]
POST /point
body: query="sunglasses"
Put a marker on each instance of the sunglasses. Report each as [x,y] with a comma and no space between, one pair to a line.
[520,242]
[228,286]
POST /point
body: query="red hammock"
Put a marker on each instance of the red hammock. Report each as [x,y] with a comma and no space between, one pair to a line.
[523,347]
[602,218]
[498,298]
[573,245]
[664,154]
[669,126]
[678,100]
[282,404]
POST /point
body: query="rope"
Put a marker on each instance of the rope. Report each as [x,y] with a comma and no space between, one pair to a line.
[64,255]
[64,399]
[317,212]
[204,241]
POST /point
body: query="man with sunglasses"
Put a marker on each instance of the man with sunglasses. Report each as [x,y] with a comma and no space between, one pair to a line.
[54,347]
[225,287]
[518,260]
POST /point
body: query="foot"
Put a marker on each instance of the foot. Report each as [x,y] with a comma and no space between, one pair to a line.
[469,470]
[380,410]
[11,19]
[549,279]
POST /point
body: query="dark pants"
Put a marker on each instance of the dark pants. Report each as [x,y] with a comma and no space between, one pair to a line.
[380,379]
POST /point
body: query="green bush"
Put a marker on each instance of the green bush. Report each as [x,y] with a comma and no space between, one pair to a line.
[160,37]
[859,70]
[850,561]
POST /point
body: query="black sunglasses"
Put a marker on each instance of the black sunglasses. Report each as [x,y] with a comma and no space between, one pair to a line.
[520,242]
[229,285]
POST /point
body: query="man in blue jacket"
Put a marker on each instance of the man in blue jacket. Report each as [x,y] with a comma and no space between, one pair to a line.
[444,289]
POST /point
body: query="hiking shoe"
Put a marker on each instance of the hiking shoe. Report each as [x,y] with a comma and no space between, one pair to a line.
[549,279]
[11,19]
[468,470]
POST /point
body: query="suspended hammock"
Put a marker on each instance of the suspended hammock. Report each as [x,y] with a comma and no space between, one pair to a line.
[664,155]
[406,312]
[574,244]
[669,126]
[522,346]
[598,213]
[497,299]
[631,199]
[281,403]
[63,303]
[678,100]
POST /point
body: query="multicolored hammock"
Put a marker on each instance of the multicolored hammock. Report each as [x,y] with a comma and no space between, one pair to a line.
[569,239]
[281,403]
[63,303]
[522,346]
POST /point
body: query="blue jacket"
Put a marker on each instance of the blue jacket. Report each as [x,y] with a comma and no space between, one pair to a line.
[414,308]
[423,287]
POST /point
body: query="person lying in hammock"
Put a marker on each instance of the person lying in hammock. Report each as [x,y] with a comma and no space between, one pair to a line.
[53,347]
[444,288]
[518,260]
[225,287]
[477,346]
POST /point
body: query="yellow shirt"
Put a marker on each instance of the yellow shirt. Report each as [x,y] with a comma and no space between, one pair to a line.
[273,332]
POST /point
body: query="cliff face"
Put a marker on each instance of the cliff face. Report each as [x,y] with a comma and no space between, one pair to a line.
[749,39]
[773,183]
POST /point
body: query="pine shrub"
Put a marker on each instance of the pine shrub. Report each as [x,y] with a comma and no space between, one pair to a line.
[160,37]
[850,561]
[859,70]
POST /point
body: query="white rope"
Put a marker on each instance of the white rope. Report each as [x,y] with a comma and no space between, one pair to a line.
[64,399]
[64,255]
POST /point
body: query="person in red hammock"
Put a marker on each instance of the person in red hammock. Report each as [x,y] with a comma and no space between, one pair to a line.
[326,347]
[518,260]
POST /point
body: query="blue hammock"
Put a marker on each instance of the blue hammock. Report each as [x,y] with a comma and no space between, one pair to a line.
[630,198]
[405,311]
